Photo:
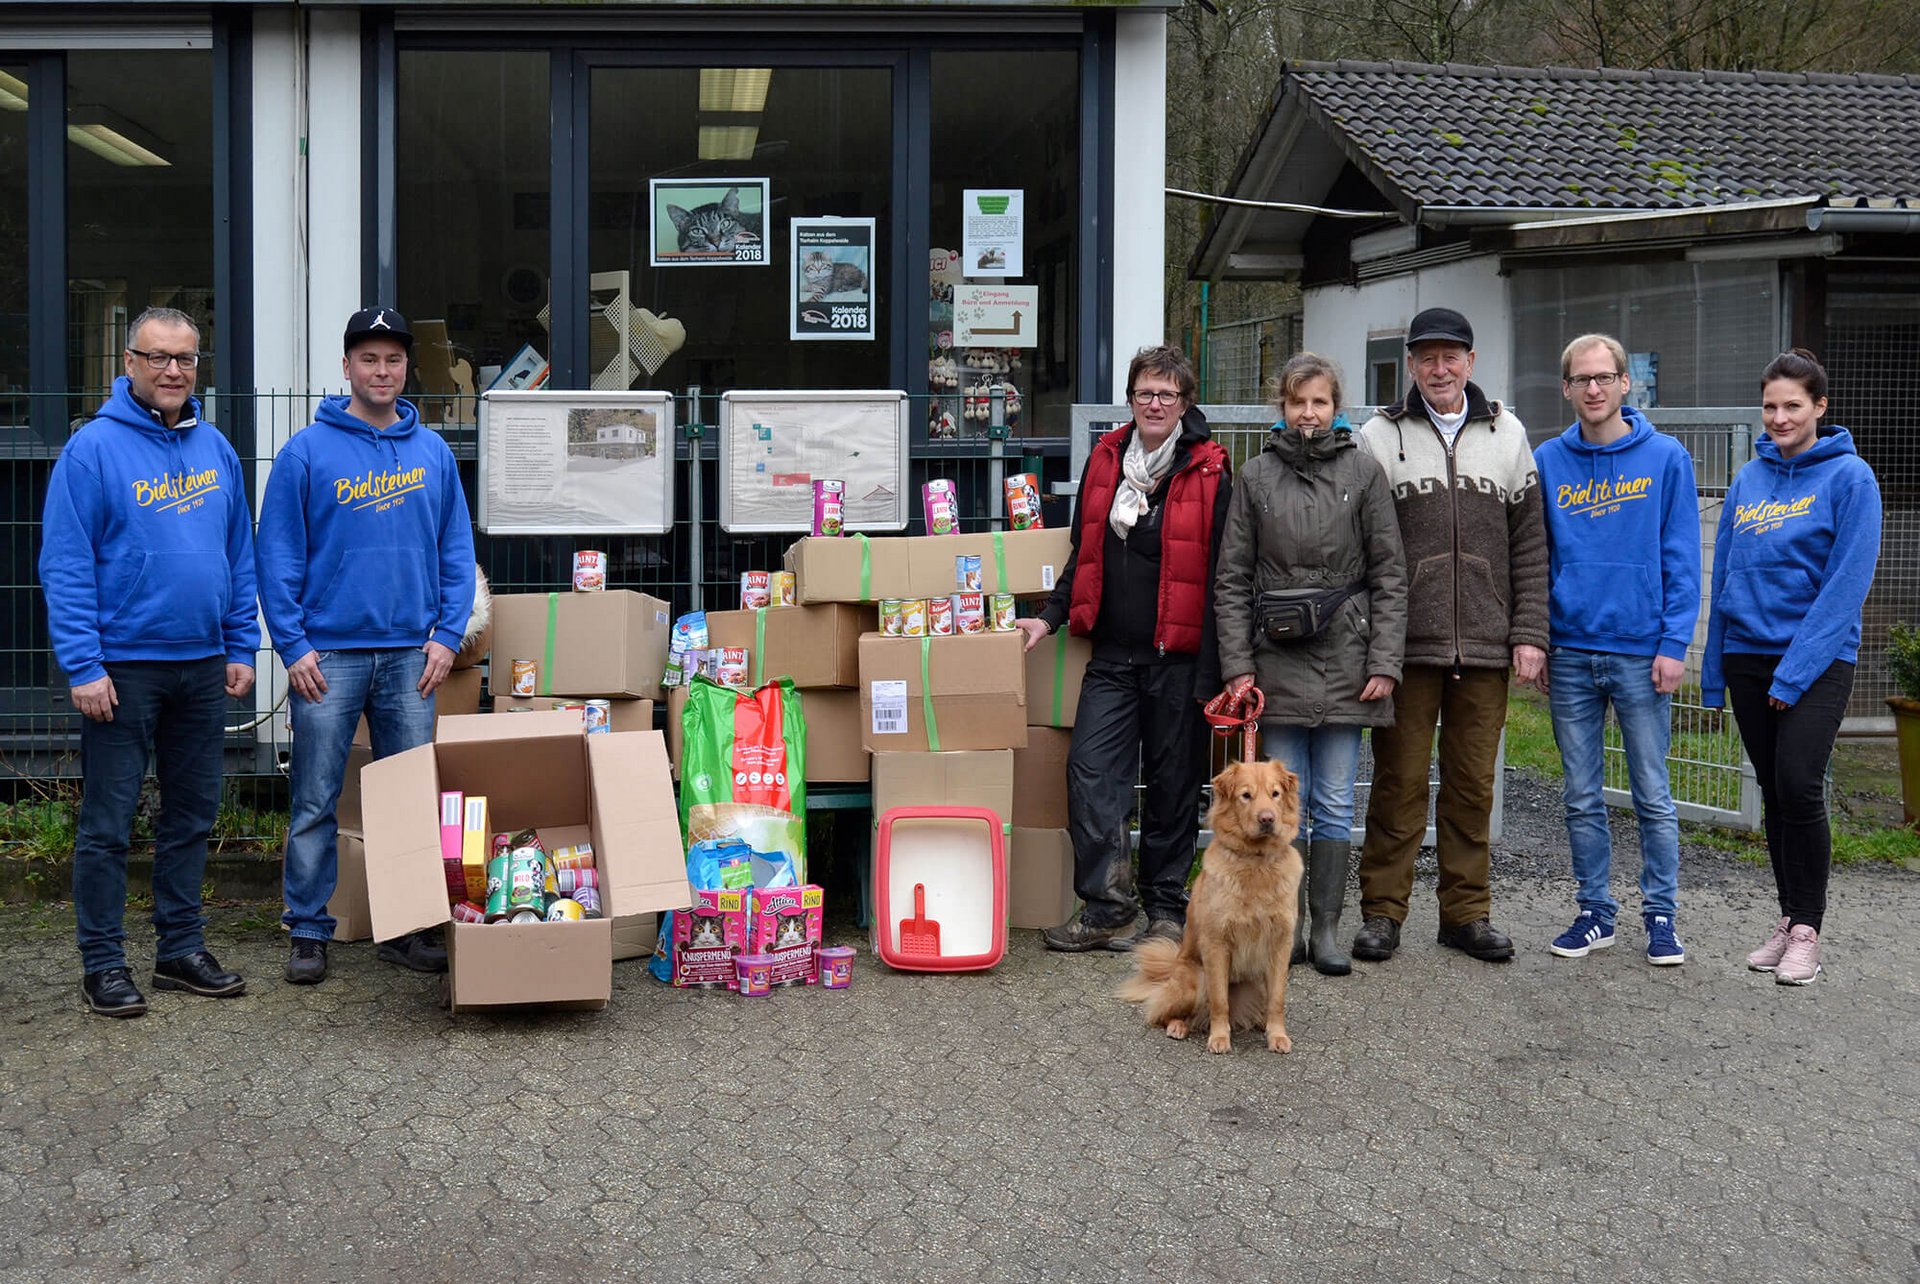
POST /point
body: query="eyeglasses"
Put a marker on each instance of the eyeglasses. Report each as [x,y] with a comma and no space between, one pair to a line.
[1141,397]
[1597,380]
[158,361]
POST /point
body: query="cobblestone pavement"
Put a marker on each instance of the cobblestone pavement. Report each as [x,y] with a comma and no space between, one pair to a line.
[1438,1118]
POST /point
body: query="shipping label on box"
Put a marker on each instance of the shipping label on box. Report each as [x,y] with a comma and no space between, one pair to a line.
[1054,669]
[1040,878]
[816,646]
[1025,563]
[584,644]
[1040,779]
[962,692]
[849,569]
[785,924]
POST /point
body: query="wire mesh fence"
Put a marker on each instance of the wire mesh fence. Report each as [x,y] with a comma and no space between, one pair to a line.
[1241,356]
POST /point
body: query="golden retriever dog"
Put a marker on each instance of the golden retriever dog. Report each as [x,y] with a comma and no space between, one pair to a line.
[1230,968]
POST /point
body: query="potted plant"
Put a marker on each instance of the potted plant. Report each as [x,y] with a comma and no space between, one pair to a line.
[1903,667]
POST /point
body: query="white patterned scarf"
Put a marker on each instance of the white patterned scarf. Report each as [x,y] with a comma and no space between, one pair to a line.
[1141,470]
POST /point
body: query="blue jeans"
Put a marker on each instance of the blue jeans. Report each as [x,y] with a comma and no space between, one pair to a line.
[1581,683]
[1326,758]
[383,685]
[175,709]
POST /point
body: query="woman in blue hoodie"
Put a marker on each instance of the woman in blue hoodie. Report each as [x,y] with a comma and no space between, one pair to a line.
[1792,563]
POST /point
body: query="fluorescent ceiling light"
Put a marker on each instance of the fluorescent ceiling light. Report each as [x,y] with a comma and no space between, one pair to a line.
[110,145]
[728,142]
[13,93]
[741,89]
[1384,244]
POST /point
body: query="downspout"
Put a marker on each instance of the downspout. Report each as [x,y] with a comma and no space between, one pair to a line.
[1893,222]
[1206,340]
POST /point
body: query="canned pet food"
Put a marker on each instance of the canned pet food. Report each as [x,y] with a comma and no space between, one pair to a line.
[755,973]
[579,856]
[565,911]
[892,618]
[526,879]
[598,716]
[589,898]
[1001,614]
[569,706]
[731,669]
[1023,501]
[468,912]
[969,612]
[829,506]
[524,916]
[940,504]
[836,966]
[966,572]
[913,617]
[530,838]
[569,881]
[589,571]
[526,677]
[756,590]
[497,888]
[939,617]
[783,591]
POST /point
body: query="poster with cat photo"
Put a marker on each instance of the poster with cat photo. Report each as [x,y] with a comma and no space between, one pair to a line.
[832,278]
[708,222]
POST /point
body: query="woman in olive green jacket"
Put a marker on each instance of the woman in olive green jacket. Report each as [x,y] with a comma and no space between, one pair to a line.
[1310,595]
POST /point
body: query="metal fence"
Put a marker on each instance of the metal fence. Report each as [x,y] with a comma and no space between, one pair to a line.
[1242,355]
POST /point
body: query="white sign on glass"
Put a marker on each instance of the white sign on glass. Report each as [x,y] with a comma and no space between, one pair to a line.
[775,445]
[576,463]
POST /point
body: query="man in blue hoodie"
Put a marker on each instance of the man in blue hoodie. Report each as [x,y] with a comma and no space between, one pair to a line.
[1623,537]
[147,564]
[366,580]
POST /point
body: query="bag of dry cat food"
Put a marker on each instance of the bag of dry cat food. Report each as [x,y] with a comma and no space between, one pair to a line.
[743,769]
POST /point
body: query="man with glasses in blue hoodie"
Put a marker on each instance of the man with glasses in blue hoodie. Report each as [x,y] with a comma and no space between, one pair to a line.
[1623,539]
[367,581]
[147,565]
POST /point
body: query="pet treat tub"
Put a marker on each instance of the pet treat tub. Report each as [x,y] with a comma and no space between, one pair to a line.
[956,857]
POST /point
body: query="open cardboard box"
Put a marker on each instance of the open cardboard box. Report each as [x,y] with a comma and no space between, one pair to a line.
[537,770]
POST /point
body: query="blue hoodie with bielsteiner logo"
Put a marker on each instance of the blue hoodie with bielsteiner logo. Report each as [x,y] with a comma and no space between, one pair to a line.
[1792,564]
[1623,541]
[365,540]
[147,543]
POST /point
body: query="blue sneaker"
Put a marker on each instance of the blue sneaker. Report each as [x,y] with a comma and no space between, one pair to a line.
[1663,947]
[1589,932]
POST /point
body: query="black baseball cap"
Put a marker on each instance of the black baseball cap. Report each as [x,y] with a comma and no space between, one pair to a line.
[1442,325]
[377,323]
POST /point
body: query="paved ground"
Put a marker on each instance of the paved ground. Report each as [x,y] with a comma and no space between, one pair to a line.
[1439,1118]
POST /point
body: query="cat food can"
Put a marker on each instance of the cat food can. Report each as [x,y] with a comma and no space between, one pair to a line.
[569,881]
[940,505]
[569,706]
[525,916]
[1023,501]
[829,506]
[468,912]
[589,898]
[1001,613]
[565,911]
[893,620]
[589,571]
[530,838]
[526,879]
[782,590]
[755,974]
[731,669]
[598,716]
[969,612]
[497,888]
[756,590]
[526,677]
[939,617]
[966,573]
[576,857]
[836,966]
[913,617]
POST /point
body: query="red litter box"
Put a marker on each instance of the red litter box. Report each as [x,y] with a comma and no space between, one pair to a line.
[940,889]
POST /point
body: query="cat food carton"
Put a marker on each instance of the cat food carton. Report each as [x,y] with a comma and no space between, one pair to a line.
[706,937]
[784,924]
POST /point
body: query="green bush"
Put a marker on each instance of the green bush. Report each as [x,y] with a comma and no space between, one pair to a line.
[1903,659]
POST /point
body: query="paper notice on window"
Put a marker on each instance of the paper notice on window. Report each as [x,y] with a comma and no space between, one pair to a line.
[889,708]
[992,231]
[576,463]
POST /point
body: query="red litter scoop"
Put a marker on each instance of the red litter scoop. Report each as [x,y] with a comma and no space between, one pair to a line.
[920,935]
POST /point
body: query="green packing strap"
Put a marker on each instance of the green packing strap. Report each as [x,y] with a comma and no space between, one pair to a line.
[866,569]
[1059,673]
[545,686]
[926,697]
[759,645]
[1000,563]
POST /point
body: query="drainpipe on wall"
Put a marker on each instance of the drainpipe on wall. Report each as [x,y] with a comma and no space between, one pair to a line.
[1200,360]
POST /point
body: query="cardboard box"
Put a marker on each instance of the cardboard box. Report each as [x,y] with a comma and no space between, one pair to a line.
[847,569]
[1055,668]
[1040,878]
[459,694]
[1040,780]
[1032,561]
[536,770]
[351,921]
[974,685]
[836,752]
[587,644]
[346,812]
[624,714]
[980,778]
[816,646]
[633,936]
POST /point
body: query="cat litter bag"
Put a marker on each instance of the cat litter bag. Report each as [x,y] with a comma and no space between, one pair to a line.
[743,770]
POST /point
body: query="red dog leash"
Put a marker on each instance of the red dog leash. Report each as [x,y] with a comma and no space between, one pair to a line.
[1227,713]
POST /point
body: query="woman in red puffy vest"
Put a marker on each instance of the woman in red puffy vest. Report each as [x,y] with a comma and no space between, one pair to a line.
[1146,532]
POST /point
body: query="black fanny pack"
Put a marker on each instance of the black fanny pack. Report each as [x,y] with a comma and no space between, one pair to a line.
[1294,615]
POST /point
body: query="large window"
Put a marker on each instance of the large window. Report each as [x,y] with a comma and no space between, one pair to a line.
[13,241]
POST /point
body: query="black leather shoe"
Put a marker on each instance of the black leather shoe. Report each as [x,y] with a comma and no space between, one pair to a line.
[417,950]
[1076,936]
[307,961]
[197,973]
[1479,939]
[111,992]
[1377,939]
[1164,928]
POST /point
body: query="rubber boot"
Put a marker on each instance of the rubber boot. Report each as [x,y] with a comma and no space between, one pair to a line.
[1300,922]
[1327,861]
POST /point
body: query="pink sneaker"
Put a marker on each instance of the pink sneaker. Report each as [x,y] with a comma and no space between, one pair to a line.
[1801,963]
[1767,957]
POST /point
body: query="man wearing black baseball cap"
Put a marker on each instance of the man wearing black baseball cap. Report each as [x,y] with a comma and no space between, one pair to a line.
[367,545]
[1468,499]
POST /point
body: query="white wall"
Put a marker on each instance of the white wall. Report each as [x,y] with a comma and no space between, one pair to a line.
[1338,320]
[279,202]
[334,158]
[1139,226]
